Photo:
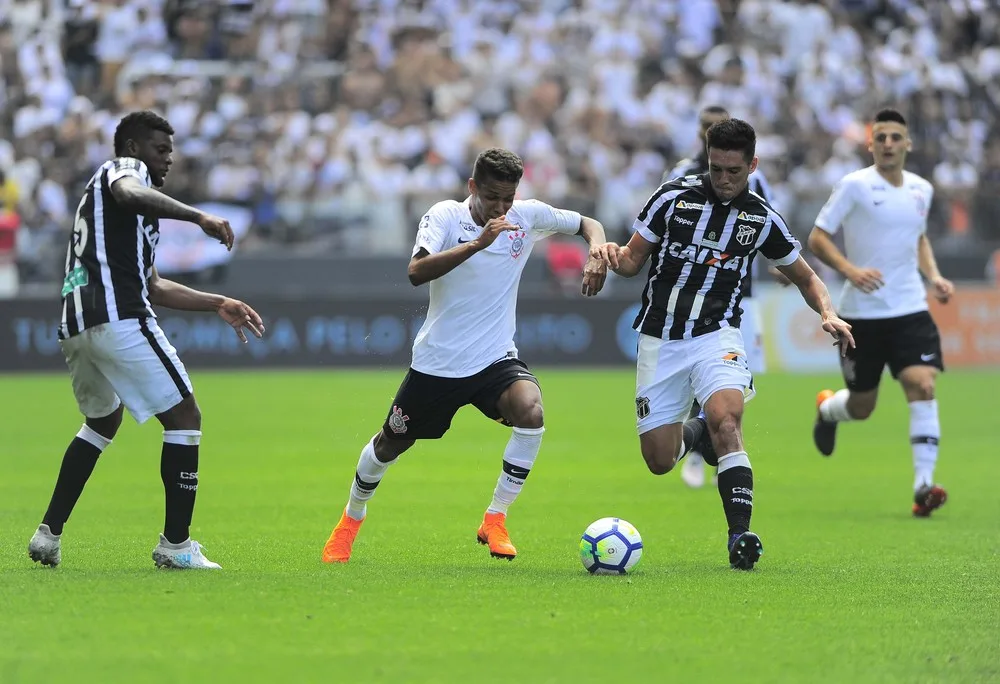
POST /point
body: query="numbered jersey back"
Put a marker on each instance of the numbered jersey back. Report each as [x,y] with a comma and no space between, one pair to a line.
[110,255]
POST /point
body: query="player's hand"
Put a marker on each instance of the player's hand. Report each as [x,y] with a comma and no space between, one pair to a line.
[595,272]
[492,230]
[609,253]
[239,316]
[840,330]
[866,279]
[218,228]
[943,289]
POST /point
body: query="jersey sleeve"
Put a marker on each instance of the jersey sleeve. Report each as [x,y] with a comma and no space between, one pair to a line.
[432,234]
[651,223]
[546,220]
[128,166]
[780,246]
[837,207]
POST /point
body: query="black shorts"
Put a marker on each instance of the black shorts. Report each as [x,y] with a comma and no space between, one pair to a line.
[900,342]
[425,404]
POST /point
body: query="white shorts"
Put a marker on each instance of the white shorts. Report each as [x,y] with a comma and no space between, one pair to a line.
[672,373]
[751,326]
[125,362]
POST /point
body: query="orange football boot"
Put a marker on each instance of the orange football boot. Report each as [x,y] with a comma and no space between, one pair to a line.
[338,546]
[494,533]
[824,432]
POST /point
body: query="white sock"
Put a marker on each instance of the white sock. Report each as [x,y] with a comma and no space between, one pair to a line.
[925,432]
[94,438]
[518,458]
[834,409]
[366,478]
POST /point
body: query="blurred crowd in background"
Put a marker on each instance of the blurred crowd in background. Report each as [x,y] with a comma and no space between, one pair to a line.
[338,122]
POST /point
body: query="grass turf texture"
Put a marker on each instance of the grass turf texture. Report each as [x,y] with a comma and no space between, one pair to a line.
[850,588]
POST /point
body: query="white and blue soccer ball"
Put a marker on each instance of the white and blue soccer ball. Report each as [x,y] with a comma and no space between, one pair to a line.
[610,546]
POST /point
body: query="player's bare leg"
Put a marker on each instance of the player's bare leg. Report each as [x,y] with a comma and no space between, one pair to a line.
[925,433]
[665,445]
[376,457]
[520,405]
[839,407]
[77,466]
[724,414]
[179,472]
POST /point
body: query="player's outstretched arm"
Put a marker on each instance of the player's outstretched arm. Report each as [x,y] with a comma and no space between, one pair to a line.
[822,245]
[133,195]
[167,293]
[595,271]
[627,261]
[425,267]
[817,296]
[943,288]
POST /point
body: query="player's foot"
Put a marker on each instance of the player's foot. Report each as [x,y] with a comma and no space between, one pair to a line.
[928,499]
[493,532]
[693,470]
[824,431]
[745,549]
[338,546]
[44,547]
[184,556]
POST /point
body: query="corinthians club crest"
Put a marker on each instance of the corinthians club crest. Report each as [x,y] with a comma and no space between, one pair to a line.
[516,238]
[397,421]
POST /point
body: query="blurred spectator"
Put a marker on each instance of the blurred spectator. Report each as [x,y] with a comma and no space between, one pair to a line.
[339,121]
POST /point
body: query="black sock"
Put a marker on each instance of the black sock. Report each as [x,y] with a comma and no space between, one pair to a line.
[694,430]
[179,472]
[736,490]
[77,465]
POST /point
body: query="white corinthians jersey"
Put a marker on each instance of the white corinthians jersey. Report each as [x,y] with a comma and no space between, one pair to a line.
[882,225]
[470,318]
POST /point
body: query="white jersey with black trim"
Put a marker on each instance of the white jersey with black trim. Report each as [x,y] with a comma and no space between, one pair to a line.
[882,225]
[470,320]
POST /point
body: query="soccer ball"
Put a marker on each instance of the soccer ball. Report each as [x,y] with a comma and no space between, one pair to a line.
[610,546]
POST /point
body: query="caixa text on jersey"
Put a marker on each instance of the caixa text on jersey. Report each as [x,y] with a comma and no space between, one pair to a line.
[706,256]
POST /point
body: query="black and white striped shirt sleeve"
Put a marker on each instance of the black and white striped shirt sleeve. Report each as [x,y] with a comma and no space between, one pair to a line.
[651,223]
[779,246]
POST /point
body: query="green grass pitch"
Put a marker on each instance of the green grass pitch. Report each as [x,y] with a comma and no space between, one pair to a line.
[850,589]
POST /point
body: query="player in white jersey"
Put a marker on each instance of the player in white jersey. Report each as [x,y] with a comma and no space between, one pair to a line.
[882,212]
[472,253]
[702,234]
[117,355]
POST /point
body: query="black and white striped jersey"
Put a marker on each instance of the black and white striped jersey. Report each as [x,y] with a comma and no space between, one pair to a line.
[706,249]
[110,256]
[698,165]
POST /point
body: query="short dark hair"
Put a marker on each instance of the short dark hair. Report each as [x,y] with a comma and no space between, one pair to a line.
[733,134]
[139,125]
[715,110]
[497,164]
[889,114]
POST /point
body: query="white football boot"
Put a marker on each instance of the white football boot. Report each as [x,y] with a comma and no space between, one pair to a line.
[44,546]
[184,556]
[693,470]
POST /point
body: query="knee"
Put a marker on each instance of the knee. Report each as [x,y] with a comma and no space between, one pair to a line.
[529,415]
[660,460]
[923,389]
[107,426]
[184,416]
[387,450]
